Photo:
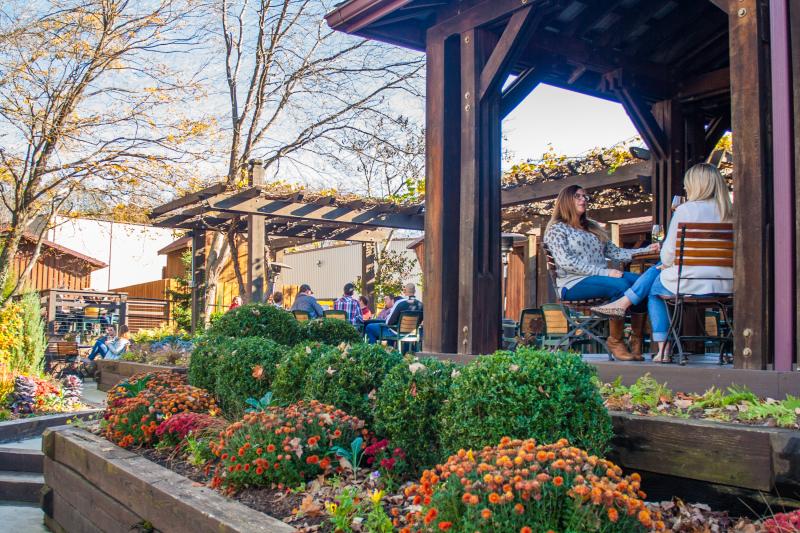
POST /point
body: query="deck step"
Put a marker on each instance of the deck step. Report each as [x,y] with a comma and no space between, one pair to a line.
[20,486]
[21,460]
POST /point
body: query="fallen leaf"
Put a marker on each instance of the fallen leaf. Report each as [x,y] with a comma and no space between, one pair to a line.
[330,371]
[309,507]
[258,372]
[683,404]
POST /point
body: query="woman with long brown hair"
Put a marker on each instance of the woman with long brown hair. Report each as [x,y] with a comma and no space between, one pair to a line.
[581,248]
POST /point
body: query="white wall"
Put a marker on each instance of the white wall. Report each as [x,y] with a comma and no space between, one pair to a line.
[130,250]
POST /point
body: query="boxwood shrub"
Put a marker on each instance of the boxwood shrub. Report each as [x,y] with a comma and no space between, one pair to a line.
[332,331]
[205,357]
[287,387]
[525,394]
[349,378]
[246,371]
[408,406]
[259,320]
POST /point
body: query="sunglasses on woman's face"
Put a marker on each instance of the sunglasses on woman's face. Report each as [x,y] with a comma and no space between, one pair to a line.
[580,196]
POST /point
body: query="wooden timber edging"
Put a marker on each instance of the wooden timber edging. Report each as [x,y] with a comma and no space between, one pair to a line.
[112,371]
[751,457]
[93,485]
[28,428]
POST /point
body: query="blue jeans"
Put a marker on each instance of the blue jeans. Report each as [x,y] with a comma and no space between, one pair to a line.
[604,287]
[657,309]
[639,291]
[100,348]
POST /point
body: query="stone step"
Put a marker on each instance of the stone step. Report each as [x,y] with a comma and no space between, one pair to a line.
[21,460]
[20,486]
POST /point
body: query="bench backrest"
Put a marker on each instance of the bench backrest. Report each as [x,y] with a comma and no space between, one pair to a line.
[703,244]
[408,322]
[66,349]
[336,314]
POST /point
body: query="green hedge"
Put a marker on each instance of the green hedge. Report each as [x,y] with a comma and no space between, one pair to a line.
[287,387]
[349,378]
[408,406]
[246,370]
[526,394]
[259,320]
[204,359]
[332,331]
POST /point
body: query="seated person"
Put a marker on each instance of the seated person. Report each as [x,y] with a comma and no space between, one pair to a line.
[277,299]
[306,302]
[388,304]
[349,305]
[366,312]
[100,348]
[409,303]
[118,345]
[110,346]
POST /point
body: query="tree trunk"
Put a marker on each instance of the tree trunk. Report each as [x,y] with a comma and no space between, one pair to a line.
[7,255]
[217,256]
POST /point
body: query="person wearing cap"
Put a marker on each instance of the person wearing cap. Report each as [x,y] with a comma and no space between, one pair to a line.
[349,305]
[306,302]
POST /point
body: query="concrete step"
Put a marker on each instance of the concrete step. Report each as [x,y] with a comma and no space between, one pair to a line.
[21,460]
[20,486]
[22,517]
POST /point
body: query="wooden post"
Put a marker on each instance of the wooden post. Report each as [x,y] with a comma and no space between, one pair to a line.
[749,51]
[442,194]
[669,169]
[794,38]
[368,264]
[531,271]
[480,270]
[198,279]
[256,243]
[783,185]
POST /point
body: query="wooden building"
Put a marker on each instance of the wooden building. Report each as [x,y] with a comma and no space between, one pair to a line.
[685,71]
[57,266]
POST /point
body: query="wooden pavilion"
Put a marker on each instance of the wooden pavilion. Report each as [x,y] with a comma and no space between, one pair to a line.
[684,70]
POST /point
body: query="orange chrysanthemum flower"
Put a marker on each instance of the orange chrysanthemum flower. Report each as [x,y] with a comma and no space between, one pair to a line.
[486,514]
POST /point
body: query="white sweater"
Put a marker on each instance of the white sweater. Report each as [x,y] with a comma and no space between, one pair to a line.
[698,211]
[579,254]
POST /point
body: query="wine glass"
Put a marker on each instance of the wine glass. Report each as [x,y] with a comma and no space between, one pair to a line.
[676,201]
[658,232]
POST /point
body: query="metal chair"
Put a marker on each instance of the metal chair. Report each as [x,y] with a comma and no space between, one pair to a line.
[701,244]
[407,329]
[581,325]
[336,314]
[301,316]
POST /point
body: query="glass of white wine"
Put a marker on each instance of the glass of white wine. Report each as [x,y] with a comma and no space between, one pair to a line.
[658,232]
[676,202]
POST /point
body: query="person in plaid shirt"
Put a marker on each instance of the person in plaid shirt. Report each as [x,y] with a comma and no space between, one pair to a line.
[349,305]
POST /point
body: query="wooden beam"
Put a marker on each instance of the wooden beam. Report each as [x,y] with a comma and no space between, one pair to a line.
[482,14]
[198,279]
[639,113]
[520,27]
[794,36]
[518,90]
[705,85]
[442,193]
[601,179]
[257,277]
[749,112]
[369,263]
[189,199]
[321,212]
[480,274]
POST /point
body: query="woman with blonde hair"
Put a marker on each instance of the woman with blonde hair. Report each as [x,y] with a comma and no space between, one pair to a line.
[708,200]
[580,248]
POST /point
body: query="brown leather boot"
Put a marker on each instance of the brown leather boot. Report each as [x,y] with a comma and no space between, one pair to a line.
[638,320]
[615,342]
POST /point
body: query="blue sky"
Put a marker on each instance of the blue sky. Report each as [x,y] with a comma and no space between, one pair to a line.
[573,123]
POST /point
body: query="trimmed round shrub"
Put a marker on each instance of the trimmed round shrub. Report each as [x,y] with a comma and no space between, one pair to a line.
[519,486]
[203,362]
[332,331]
[350,377]
[287,387]
[286,445]
[246,371]
[408,405]
[259,320]
[526,394]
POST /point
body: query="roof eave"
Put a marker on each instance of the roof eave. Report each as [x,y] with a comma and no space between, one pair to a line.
[355,15]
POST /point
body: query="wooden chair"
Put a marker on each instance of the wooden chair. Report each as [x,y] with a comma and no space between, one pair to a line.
[701,244]
[336,314]
[65,360]
[301,316]
[531,327]
[407,329]
[581,324]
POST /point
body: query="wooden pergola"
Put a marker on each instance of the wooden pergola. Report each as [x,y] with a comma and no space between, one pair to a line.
[684,70]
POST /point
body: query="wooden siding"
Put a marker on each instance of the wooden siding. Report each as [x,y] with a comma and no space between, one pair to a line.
[52,269]
[158,289]
[175,267]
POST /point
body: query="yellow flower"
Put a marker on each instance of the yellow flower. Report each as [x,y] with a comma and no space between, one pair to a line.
[331,508]
[376,496]
[470,456]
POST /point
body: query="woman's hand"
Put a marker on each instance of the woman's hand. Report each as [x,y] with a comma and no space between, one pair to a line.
[614,273]
[654,248]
